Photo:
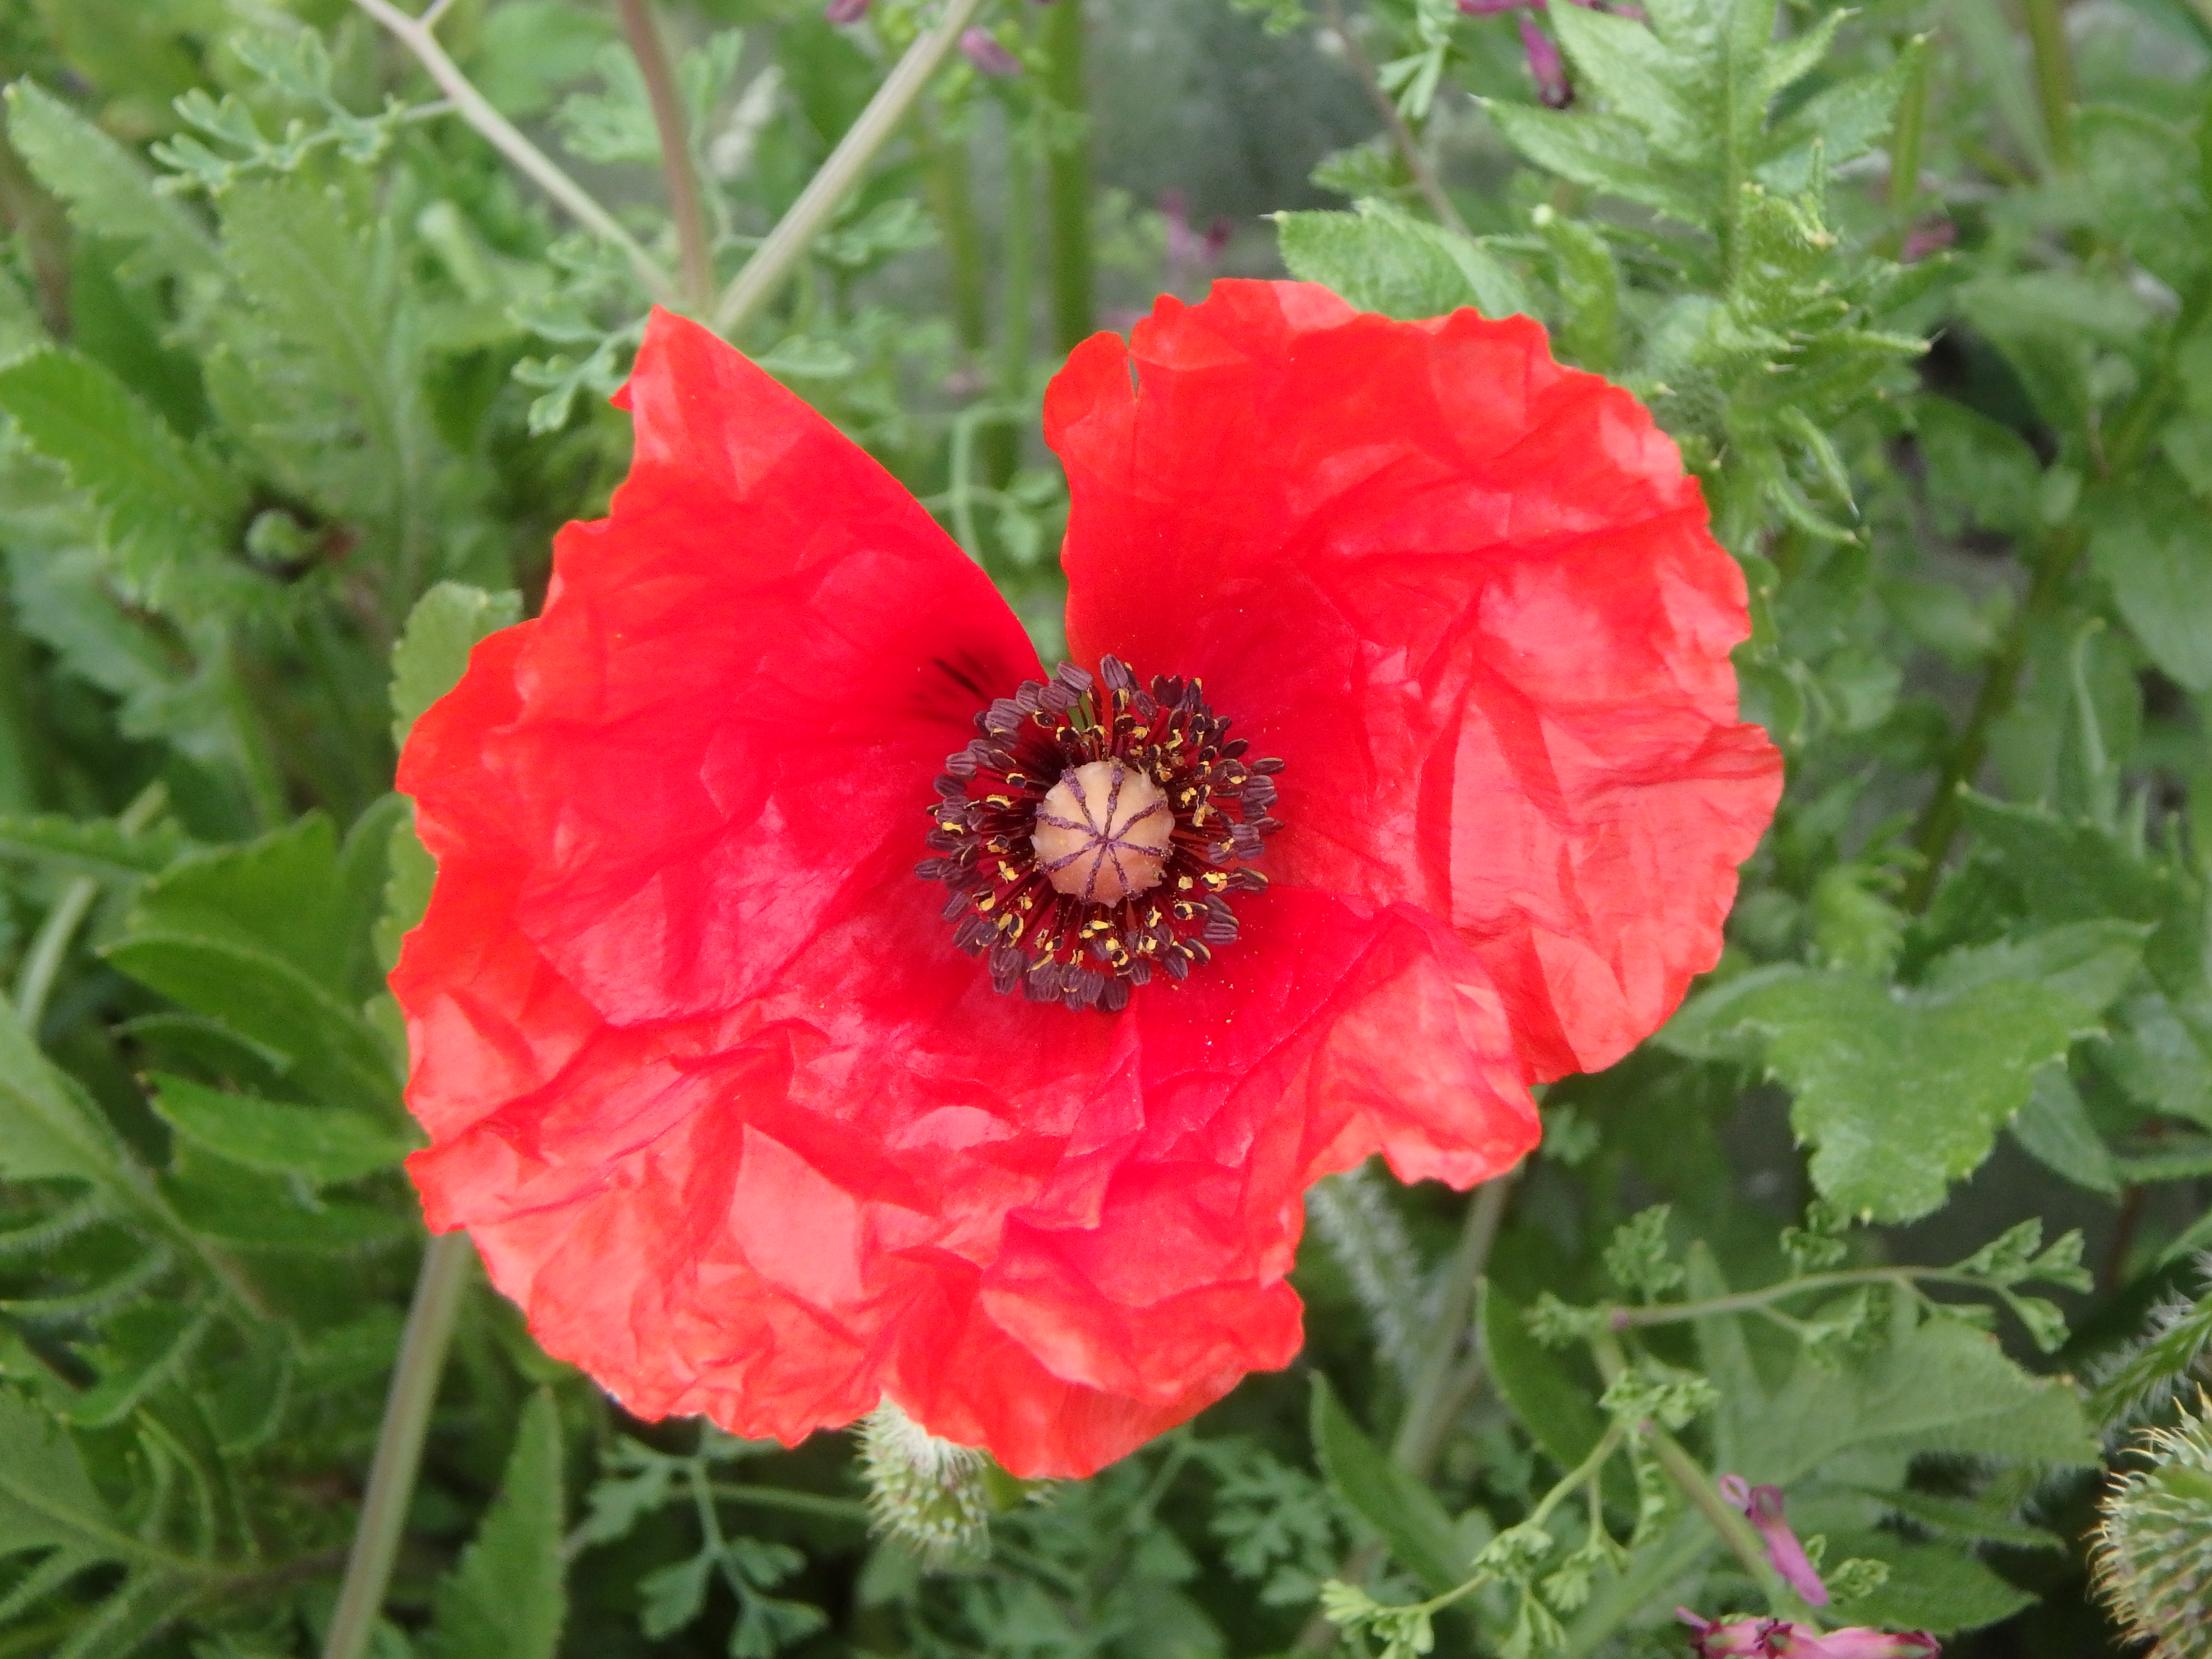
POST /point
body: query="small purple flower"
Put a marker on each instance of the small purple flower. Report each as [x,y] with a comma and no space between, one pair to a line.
[989,57]
[1778,1638]
[1763,1506]
[841,12]
[1547,66]
[1932,237]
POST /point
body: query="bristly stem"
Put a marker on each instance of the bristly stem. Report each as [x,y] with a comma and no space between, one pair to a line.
[476,109]
[1067,182]
[695,250]
[1401,136]
[398,1457]
[773,259]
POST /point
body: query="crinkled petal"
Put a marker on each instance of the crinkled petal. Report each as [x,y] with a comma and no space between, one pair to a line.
[726,1112]
[1468,595]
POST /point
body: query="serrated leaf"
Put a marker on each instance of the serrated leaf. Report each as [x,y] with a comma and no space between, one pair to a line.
[2091,961]
[1967,1517]
[505,1600]
[433,651]
[1637,76]
[1939,1388]
[323,1143]
[1399,1507]
[108,192]
[166,508]
[323,370]
[1382,258]
[253,1212]
[263,937]
[1899,1094]
[1605,153]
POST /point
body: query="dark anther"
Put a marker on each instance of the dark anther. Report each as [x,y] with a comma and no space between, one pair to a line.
[1268,767]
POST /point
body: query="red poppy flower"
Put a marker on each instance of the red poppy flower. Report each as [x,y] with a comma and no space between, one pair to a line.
[706,1070]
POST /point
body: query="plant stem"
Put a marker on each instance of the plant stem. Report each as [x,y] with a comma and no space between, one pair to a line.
[1941,818]
[798,1503]
[1736,1531]
[473,107]
[773,259]
[1401,136]
[695,252]
[1422,1430]
[2054,76]
[391,1473]
[1000,446]
[953,200]
[1906,138]
[1067,182]
[1674,1313]
[1690,1478]
[42,962]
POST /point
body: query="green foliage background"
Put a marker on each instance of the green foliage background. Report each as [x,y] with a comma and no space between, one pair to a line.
[1900,1213]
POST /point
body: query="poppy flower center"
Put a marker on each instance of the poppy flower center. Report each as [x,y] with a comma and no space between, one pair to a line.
[1102,832]
[1092,839]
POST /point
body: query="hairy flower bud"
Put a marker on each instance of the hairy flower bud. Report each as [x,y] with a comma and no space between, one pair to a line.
[2154,1550]
[929,1493]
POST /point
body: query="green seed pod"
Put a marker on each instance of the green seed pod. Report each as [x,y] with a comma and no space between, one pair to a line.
[2154,1550]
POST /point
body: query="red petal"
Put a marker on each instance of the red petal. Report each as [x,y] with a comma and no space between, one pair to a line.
[737,676]
[1469,596]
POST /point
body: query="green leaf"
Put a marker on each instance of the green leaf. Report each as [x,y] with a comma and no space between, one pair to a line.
[323,1143]
[1539,1390]
[2091,961]
[1400,1509]
[505,1600]
[1637,76]
[1899,1094]
[1930,1586]
[47,1498]
[1382,258]
[1941,1387]
[48,1127]
[433,649]
[1971,1518]
[1977,470]
[166,508]
[263,937]
[146,1345]
[109,192]
[322,371]
[2153,546]
[98,847]
[1605,153]
[2055,1128]
[251,1210]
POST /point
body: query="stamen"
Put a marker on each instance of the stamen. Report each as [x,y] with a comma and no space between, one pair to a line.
[1053,828]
